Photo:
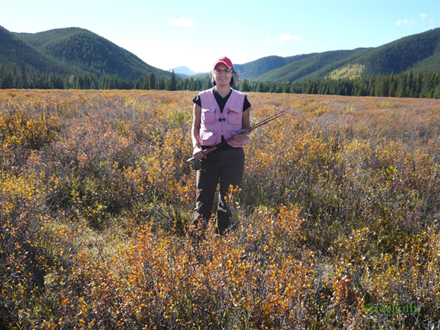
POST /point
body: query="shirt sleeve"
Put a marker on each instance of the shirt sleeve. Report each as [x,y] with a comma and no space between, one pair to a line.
[197,100]
[246,104]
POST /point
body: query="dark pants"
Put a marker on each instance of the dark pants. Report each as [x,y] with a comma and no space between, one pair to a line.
[227,167]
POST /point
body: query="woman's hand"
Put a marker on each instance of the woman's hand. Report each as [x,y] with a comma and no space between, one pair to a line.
[198,153]
[241,137]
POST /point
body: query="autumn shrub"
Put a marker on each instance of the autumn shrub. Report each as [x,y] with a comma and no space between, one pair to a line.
[29,250]
[31,125]
[337,216]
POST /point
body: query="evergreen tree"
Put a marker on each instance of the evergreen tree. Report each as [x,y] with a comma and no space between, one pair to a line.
[426,85]
[385,88]
[435,79]
[437,93]
[409,84]
[86,82]
[244,86]
[23,73]
[260,87]
[127,83]
[173,84]
[152,81]
[79,83]
[111,83]
[402,88]
[392,92]
[160,84]
[418,85]
[206,83]
[181,84]
[145,83]
[192,85]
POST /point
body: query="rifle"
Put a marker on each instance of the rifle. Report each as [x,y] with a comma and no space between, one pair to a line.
[197,164]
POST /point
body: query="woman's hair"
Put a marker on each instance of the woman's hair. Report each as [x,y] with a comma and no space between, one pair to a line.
[234,79]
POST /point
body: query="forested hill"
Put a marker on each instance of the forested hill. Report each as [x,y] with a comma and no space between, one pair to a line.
[79,51]
[312,67]
[72,50]
[419,52]
[14,50]
[254,69]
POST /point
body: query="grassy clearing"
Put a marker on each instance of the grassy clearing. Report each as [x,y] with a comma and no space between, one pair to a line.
[350,71]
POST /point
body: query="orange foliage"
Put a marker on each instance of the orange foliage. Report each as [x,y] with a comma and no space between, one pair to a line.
[339,209]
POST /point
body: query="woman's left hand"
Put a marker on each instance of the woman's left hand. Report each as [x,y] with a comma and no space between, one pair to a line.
[240,137]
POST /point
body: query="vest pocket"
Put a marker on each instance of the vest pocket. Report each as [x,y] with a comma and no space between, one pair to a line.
[234,117]
[208,116]
[207,138]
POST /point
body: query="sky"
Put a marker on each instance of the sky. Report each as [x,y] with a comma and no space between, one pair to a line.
[194,33]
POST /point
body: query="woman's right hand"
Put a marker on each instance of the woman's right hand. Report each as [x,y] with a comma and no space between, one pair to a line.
[198,153]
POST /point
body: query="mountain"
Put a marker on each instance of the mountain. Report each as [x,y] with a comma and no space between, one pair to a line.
[254,69]
[72,50]
[183,71]
[419,52]
[76,50]
[14,50]
[312,67]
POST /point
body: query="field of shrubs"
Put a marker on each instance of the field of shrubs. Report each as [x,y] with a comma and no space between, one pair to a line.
[336,225]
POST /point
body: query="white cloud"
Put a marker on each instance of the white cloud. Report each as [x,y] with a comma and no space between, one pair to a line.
[282,38]
[411,21]
[182,21]
[286,37]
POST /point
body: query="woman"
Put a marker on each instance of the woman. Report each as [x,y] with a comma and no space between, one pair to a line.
[218,114]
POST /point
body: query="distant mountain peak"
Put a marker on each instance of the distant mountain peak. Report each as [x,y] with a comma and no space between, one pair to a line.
[183,70]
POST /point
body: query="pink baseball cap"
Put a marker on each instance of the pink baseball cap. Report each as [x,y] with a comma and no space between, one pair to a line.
[226,61]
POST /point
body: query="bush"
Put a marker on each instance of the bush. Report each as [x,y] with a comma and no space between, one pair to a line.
[336,219]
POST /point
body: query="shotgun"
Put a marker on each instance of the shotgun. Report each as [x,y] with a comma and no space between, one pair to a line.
[197,164]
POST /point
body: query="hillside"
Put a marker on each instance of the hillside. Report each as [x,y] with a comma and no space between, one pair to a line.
[90,52]
[420,52]
[79,51]
[254,69]
[312,67]
[73,50]
[14,50]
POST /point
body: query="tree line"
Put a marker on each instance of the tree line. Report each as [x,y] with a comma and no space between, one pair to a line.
[22,78]
[408,84]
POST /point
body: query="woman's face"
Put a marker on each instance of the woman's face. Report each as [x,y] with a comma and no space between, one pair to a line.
[222,74]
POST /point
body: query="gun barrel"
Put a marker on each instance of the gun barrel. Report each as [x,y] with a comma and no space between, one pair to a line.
[243,131]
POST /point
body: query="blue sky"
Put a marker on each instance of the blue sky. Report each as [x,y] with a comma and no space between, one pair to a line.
[193,33]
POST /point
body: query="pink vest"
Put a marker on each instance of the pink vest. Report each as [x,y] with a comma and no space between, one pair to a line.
[214,124]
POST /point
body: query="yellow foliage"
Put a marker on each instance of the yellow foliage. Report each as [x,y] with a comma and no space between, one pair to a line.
[338,212]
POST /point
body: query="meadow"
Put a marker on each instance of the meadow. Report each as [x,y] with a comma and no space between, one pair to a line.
[336,225]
